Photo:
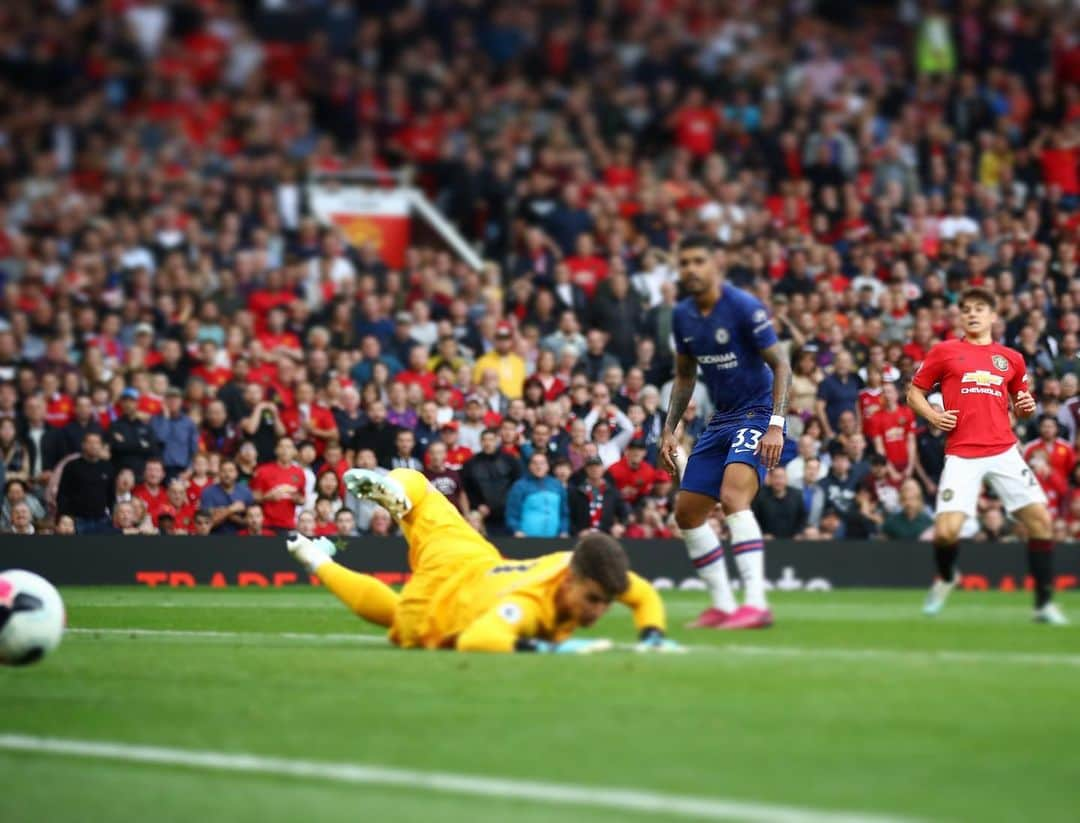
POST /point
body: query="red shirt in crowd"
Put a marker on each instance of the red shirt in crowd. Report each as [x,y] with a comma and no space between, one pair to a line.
[893,427]
[278,514]
[339,468]
[195,489]
[915,351]
[155,502]
[319,416]
[150,404]
[184,517]
[870,403]
[695,129]
[216,376]
[270,341]
[1059,168]
[633,483]
[457,456]
[59,410]
[425,380]
[261,301]
[587,272]
[1059,455]
[1056,489]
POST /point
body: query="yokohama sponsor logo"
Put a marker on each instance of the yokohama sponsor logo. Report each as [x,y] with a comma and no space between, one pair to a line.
[728,360]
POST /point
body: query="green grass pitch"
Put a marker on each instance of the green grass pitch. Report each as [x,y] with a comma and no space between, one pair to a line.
[853,703]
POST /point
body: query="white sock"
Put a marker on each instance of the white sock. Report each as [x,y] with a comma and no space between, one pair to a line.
[707,553]
[749,550]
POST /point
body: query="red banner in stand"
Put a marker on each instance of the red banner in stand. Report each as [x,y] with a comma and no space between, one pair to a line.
[378,217]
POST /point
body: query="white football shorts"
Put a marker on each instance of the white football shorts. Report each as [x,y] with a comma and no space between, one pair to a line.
[1008,475]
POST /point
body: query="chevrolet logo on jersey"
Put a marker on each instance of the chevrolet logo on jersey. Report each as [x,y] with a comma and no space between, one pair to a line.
[983,378]
[984,383]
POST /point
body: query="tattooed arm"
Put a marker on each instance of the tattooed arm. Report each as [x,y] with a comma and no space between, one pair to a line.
[681,392]
[781,368]
[772,444]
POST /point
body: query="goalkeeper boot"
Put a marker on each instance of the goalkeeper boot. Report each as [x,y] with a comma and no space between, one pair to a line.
[938,594]
[1051,615]
[307,552]
[749,617]
[380,488]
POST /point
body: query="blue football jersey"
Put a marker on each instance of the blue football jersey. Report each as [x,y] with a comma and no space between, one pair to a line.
[727,344]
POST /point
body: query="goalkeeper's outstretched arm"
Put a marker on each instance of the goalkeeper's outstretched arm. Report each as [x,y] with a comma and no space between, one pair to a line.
[644,601]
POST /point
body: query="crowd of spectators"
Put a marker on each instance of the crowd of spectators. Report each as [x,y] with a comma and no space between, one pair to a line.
[184,349]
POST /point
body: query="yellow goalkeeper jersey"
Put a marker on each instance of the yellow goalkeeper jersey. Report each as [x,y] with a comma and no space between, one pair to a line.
[488,606]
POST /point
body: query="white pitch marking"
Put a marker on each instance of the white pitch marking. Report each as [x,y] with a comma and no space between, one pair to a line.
[920,656]
[887,655]
[200,634]
[563,794]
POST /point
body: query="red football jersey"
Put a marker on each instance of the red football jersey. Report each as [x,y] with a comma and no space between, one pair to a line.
[195,488]
[154,502]
[870,403]
[894,427]
[150,404]
[59,410]
[976,382]
[1056,490]
[1059,454]
[278,514]
[457,457]
[633,483]
[215,376]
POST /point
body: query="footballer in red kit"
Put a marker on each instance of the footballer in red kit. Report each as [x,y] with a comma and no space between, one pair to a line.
[279,487]
[892,430]
[978,379]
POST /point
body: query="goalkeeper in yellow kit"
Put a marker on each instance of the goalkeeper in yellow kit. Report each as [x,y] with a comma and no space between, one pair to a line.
[464,595]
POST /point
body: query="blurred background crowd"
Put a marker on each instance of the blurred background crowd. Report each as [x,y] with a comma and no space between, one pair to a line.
[185,349]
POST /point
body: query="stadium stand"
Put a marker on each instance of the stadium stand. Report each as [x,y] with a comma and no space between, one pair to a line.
[169,300]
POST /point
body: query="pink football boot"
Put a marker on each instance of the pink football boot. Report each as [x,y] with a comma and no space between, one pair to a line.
[711,618]
[748,617]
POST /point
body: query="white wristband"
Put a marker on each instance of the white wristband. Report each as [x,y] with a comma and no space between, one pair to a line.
[777,420]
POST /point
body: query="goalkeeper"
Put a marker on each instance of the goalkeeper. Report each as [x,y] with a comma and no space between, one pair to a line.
[464,595]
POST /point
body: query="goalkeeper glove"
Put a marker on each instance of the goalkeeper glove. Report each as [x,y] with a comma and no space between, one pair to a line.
[653,640]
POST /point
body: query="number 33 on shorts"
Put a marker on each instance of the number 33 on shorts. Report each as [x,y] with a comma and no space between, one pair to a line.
[746,440]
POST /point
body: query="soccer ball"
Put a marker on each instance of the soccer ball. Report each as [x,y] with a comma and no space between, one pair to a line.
[31,617]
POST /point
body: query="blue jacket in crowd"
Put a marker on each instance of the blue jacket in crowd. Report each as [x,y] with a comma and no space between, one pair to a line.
[537,506]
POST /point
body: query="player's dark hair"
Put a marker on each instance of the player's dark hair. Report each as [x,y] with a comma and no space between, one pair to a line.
[697,241]
[599,557]
[979,295]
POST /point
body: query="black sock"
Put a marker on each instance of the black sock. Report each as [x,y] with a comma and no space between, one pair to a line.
[945,560]
[1041,566]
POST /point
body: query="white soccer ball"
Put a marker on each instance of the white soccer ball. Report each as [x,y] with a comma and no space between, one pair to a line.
[31,617]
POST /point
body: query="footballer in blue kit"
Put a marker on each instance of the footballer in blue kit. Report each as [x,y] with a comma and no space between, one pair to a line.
[726,343]
[728,335]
